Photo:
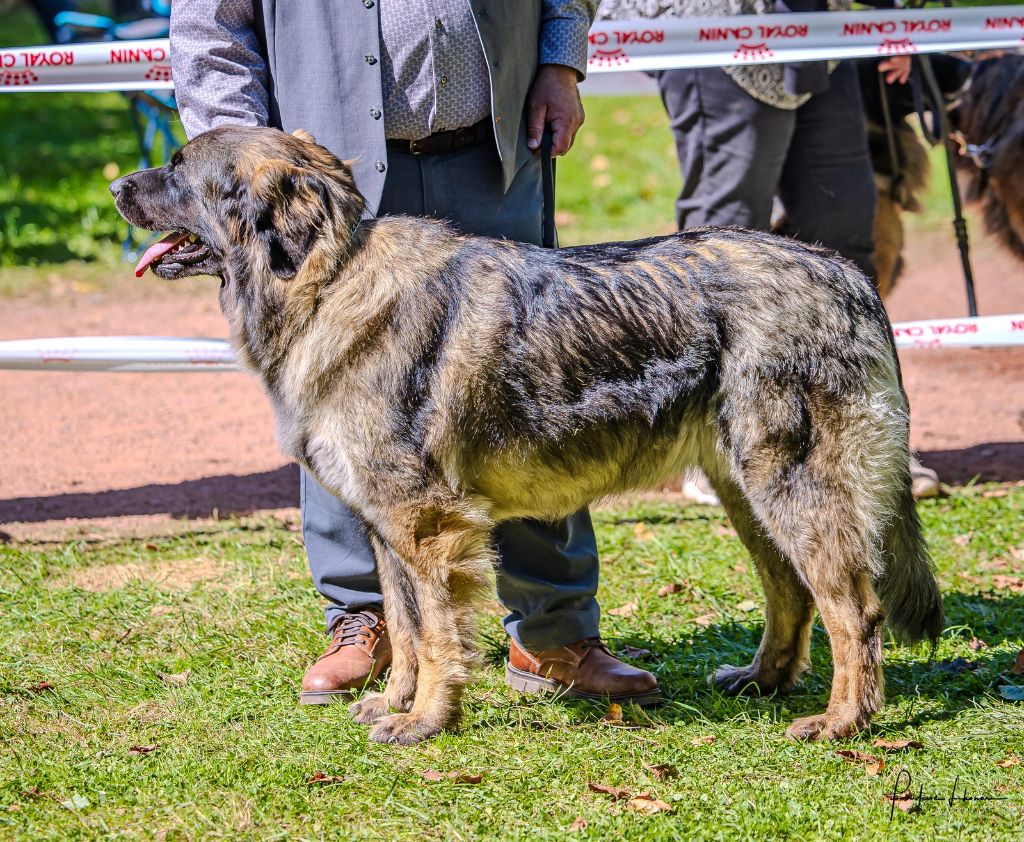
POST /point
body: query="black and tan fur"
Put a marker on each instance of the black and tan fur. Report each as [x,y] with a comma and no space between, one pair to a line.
[990,119]
[441,383]
[900,188]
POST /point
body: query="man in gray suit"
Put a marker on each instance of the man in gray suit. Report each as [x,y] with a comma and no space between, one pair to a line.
[442,104]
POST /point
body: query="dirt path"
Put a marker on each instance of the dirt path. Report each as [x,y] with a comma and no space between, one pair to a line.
[83,454]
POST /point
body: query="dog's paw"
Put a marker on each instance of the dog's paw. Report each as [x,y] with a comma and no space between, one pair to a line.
[749,679]
[369,709]
[824,727]
[404,729]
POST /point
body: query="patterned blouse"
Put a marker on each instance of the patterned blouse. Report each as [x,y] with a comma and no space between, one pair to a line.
[762,81]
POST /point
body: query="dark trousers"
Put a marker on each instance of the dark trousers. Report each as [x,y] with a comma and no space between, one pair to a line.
[548,573]
[736,154]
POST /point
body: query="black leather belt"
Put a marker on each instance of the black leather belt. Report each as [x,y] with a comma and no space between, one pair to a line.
[446,141]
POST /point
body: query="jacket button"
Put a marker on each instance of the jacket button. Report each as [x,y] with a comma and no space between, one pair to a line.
[375,113]
[368,4]
[370,59]
[380,166]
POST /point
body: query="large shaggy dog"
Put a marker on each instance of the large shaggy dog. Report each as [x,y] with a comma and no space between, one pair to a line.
[990,122]
[441,383]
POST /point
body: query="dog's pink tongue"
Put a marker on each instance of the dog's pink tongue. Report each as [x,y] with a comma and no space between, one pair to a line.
[158,250]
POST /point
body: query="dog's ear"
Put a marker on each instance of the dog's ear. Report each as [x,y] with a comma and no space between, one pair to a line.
[290,205]
[302,134]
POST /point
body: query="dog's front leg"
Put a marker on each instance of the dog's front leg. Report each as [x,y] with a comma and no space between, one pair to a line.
[404,624]
[441,561]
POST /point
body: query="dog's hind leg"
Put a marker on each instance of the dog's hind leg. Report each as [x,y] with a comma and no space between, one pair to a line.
[404,631]
[820,472]
[784,653]
[445,557]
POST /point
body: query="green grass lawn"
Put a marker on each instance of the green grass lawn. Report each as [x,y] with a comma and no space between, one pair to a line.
[230,606]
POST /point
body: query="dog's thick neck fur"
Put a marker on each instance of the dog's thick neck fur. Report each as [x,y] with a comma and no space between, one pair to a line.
[261,313]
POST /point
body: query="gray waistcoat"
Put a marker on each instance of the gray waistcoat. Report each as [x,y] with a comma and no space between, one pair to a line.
[323,61]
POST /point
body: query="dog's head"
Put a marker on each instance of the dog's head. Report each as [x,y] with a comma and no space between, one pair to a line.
[243,202]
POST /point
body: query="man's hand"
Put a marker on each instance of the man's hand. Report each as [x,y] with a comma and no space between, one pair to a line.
[554,100]
[896,69]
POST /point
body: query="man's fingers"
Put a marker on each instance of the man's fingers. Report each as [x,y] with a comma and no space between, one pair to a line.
[561,140]
[538,112]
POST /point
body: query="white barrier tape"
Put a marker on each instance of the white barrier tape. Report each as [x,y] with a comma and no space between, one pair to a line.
[118,353]
[105,66]
[667,43]
[615,45]
[159,353]
[980,332]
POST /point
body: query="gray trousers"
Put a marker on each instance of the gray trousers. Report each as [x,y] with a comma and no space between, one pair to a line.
[547,576]
[736,154]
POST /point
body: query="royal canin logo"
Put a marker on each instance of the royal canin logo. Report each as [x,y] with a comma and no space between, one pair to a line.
[609,58]
[159,73]
[16,78]
[896,47]
[753,52]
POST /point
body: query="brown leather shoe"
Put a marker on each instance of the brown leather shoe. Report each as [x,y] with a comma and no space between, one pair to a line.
[359,652]
[583,670]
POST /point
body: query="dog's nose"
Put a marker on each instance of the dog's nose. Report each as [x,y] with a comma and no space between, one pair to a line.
[118,185]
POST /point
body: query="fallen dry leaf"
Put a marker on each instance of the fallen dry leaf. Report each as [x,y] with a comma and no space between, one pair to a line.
[624,610]
[706,620]
[703,741]
[13,808]
[1018,664]
[31,792]
[872,765]
[143,749]
[579,823]
[634,652]
[616,792]
[904,801]
[1010,583]
[963,540]
[647,803]
[996,492]
[977,644]
[897,745]
[614,714]
[740,568]
[666,590]
[177,679]
[724,530]
[41,687]
[661,771]
[454,776]
[320,778]
[747,605]
[1007,762]
[994,564]
[642,532]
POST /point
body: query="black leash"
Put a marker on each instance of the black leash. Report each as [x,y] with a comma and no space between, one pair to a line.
[549,236]
[945,135]
[895,158]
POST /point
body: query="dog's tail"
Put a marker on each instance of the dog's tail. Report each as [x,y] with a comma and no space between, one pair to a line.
[907,587]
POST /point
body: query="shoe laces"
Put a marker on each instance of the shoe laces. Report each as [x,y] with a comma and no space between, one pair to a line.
[352,627]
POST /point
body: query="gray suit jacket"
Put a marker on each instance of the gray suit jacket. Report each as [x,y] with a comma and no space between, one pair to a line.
[314,65]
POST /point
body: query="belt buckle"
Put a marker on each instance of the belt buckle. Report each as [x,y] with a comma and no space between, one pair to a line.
[415,148]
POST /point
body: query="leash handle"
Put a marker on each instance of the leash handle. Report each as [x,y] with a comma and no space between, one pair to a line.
[549,236]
